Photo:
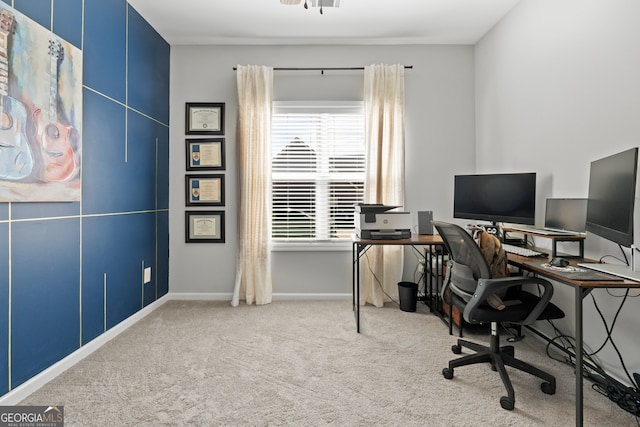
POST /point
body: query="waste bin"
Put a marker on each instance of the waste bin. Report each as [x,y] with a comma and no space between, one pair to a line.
[408,294]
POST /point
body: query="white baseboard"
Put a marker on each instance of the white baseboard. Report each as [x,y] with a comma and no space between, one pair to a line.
[186,296]
[19,393]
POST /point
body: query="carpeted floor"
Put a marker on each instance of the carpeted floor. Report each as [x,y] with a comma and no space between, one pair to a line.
[303,364]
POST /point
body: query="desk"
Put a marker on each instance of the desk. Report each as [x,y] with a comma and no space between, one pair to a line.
[359,248]
[582,289]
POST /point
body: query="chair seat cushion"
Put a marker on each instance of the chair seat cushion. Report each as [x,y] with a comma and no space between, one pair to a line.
[511,313]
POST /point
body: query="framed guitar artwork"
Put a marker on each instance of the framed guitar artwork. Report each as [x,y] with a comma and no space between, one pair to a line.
[40,112]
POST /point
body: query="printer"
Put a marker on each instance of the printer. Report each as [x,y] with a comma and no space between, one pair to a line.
[374,221]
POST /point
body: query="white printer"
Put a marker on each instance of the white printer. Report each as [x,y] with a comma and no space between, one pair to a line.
[374,221]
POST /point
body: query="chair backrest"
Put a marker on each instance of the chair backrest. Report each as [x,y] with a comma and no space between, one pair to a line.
[468,264]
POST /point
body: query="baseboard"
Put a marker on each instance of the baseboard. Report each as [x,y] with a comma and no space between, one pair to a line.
[186,296]
[189,296]
[19,393]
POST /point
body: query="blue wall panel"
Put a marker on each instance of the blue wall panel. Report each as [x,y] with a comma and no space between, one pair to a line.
[162,269]
[44,209]
[116,246]
[141,164]
[103,154]
[148,72]
[4,211]
[67,21]
[38,10]
[163,166]
[104,54]
[45,294]
[4,305]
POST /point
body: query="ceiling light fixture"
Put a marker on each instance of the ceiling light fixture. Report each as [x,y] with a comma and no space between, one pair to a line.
[314,3]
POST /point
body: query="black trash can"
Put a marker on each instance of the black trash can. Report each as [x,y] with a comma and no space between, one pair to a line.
[408,294]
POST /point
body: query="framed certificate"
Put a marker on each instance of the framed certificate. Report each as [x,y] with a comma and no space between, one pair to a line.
[205,154]
[204,190]
[204,118]
[204,226]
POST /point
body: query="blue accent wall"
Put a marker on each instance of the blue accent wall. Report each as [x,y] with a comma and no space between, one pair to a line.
[70,271]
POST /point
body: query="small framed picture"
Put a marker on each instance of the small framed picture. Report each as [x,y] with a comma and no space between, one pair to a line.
[204,118]
[205,154]
[204,226]
[204,190]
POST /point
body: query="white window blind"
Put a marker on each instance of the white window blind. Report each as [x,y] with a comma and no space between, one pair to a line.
[318,161]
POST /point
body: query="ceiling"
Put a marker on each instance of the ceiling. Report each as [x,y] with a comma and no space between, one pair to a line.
[353,22]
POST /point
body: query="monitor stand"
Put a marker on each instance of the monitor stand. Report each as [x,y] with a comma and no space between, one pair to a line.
[614,269]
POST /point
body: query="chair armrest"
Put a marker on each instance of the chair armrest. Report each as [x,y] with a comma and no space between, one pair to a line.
[488,287]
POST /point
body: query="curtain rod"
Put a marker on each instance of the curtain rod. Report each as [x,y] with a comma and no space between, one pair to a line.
[323,69]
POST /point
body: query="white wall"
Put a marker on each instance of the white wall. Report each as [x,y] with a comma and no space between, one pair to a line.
[558,86]
[440,135]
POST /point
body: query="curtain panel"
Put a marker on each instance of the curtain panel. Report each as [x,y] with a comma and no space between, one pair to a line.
[253,275]
[384,183]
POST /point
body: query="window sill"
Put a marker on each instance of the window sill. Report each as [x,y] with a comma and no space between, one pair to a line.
[311,246]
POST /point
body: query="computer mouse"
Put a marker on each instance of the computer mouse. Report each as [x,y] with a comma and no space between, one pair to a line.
[558,262]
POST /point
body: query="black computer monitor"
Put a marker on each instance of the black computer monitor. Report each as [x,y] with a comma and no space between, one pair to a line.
[566,215]
[507,197]
[612,192]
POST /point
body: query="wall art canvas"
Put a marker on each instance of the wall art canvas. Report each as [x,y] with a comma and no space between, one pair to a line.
[40,112]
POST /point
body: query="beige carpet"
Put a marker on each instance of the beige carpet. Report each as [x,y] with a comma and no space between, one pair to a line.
[303,364]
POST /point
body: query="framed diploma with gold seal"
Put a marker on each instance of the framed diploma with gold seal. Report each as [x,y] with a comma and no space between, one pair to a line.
[204,118]
[205,154]
[204,226]
[204,190]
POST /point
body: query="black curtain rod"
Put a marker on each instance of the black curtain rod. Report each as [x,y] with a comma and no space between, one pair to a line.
[321,69]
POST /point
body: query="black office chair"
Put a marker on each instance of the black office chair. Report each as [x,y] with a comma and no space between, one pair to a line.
[469,282]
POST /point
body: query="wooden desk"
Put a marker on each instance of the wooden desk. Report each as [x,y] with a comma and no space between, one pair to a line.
[359,248]
[581,289]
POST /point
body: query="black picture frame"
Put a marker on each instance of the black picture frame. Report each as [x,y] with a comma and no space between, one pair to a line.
[204,118]
[204,190]
[204,226]
[205,154]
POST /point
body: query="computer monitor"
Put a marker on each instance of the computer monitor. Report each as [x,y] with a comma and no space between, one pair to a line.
[612,192]
[566,215]
[507,197]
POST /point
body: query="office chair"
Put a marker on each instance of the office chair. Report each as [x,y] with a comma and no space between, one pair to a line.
[468,279]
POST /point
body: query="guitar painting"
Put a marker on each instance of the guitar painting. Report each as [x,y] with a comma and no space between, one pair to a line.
[16,157]
[58,160]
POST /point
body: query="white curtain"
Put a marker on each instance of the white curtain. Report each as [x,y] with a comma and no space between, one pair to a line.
[253,275]
[384,182]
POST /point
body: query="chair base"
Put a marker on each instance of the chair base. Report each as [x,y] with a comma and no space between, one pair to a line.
[499,357]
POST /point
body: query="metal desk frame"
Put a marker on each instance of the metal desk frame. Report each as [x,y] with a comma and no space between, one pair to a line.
[361,246]
[581,290]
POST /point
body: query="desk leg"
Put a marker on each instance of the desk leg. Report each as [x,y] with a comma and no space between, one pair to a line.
[579,368]
[355,285]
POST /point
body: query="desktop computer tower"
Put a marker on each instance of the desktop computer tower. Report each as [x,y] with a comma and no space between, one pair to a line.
[425,222]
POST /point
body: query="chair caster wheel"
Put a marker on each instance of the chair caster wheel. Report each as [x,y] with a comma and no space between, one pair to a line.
[506,403]
[548,388]
[456,349]
[447,373]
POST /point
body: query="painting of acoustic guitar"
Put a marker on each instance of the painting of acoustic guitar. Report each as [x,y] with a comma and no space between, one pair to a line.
[16,157]
[53,137]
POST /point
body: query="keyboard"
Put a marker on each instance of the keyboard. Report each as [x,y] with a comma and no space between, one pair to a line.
[518,250]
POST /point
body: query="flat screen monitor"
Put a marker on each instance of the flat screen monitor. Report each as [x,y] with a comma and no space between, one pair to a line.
[566,215]
[612,192]
[507,197]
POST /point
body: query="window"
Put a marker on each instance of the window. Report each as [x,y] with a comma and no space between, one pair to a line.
[318,162]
